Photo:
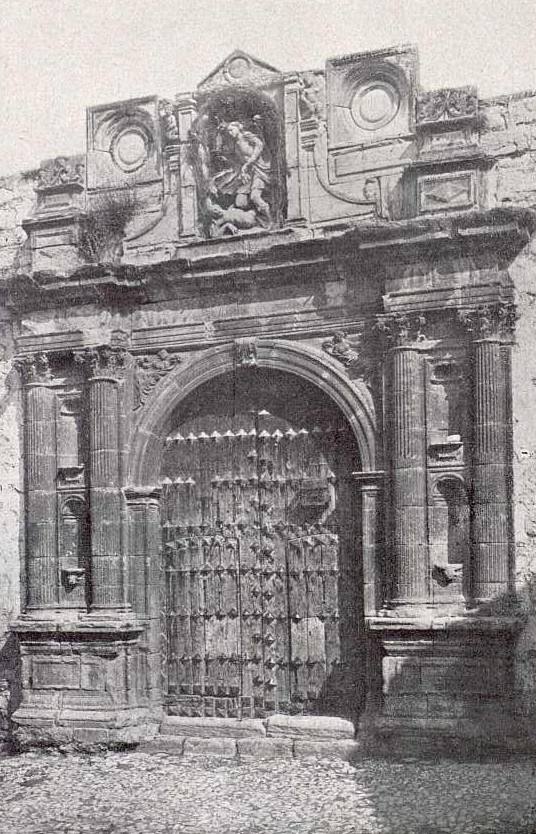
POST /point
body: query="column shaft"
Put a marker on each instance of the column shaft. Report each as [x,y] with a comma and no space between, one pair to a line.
[490,514]
[409,478]
[40,461]
[105,498]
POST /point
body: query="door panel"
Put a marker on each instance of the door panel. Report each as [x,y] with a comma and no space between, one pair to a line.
[260,550]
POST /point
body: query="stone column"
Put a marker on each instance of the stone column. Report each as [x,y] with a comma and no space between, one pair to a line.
[41,469]
[105,367]
[492,326]
[408,463]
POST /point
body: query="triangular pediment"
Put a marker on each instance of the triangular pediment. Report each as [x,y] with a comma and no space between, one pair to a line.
[238,68]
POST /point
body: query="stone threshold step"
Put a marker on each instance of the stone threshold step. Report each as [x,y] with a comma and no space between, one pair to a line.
[305,727]
[260,747]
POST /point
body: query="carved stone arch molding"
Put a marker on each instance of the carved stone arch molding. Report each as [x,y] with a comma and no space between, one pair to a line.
[350,396]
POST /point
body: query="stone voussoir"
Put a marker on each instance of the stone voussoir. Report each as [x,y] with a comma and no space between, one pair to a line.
[311,727]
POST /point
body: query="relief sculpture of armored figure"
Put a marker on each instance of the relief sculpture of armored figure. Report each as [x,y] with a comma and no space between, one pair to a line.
[250,173]
[234,173]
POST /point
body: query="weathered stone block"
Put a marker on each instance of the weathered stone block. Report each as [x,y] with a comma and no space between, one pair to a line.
[164,744]
[213,727]
[267,748]
[346,750]
[210,747]
[311,727]
[406,705]
[93,675]
[91,735]
[56,672]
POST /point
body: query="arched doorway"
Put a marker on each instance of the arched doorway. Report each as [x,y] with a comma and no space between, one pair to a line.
[263,604]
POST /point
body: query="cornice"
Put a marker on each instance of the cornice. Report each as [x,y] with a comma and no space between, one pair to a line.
[283,257]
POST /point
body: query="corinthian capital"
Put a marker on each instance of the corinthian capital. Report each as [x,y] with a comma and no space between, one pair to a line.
[490,321]
[401,329]
[103,360]
[34,368]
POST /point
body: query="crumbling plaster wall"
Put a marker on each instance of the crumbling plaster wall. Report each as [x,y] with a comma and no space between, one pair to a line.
[511,136]
[17,200]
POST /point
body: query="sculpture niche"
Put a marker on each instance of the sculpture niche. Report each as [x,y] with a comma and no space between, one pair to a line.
[234,147]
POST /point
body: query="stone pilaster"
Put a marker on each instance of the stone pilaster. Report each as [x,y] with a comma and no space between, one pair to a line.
[145,578]
[370,485]
[492,327]
[186,113]
[40,464]
[408,462]
[105,368]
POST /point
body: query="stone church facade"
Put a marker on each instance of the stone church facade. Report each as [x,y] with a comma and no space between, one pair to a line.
[266,422]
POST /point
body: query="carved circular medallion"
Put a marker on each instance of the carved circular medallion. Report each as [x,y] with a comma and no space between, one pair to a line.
[374,105]
[238,68]
[130,149]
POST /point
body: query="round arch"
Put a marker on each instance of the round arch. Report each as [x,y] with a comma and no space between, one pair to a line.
[150,431]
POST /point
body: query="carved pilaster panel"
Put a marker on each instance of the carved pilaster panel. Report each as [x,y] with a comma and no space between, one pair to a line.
[145,576]
[149,370]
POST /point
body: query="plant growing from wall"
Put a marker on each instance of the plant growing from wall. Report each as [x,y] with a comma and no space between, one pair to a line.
[103,226]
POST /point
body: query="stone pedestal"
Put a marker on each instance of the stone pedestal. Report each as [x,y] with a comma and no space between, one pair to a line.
[83,683]
[445,683]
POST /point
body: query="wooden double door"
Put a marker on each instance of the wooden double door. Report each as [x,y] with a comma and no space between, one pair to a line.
[263,609]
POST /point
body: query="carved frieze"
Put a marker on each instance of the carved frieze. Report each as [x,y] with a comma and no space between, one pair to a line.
[149,370]
[245,353]
[312,97]
[170,127]
[447,105]
[446,192]
[490,321]
[241,69]
[58,172]
[340,348]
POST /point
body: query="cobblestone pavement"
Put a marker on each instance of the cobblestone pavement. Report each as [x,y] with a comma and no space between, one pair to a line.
[131,793]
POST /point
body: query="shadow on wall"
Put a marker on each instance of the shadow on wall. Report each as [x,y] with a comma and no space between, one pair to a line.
[10,686]
[458,690]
